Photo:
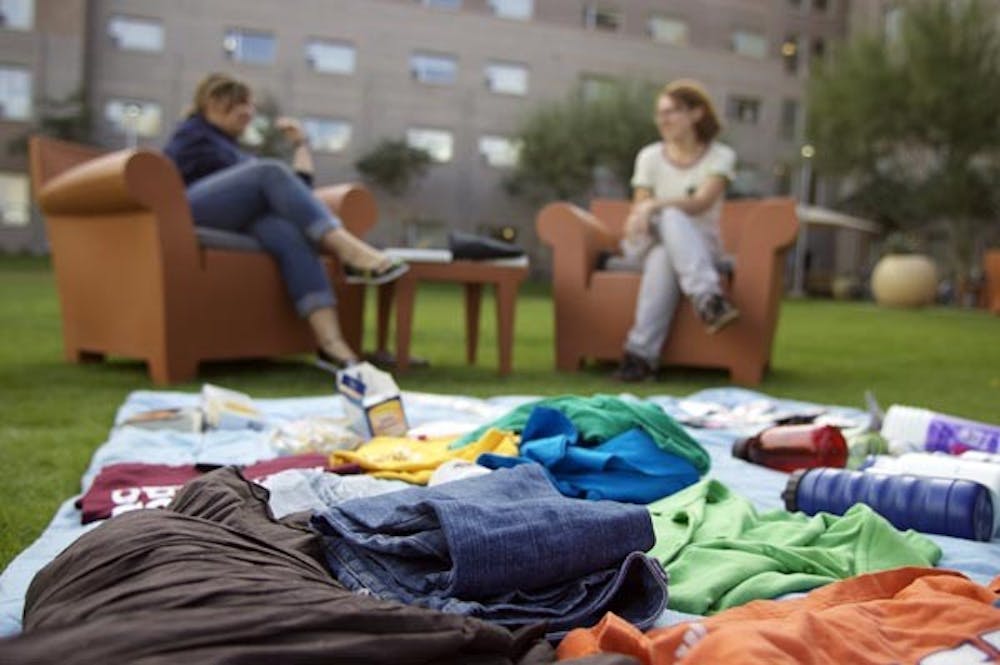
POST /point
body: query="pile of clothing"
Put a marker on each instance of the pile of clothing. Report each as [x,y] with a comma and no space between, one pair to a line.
[572,521]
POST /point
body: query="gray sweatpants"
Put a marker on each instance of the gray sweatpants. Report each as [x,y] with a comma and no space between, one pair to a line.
[678,256]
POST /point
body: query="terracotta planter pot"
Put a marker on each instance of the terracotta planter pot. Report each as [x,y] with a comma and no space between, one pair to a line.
[904,280]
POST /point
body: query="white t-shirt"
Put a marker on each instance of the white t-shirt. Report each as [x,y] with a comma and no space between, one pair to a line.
[667,180]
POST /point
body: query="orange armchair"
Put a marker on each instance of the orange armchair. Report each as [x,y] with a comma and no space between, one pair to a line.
[133,280]
[594,308]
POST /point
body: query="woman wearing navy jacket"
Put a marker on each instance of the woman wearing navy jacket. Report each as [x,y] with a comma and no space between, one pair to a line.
[231,190]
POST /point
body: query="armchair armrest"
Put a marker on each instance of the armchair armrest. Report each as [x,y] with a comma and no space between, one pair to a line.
[353,204]
[121,181]
[576,238]
[126,184]
[770,229]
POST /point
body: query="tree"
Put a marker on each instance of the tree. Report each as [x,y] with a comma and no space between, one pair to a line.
[263,138]
[564,142]
[67,118]
[393,165]
[913,123]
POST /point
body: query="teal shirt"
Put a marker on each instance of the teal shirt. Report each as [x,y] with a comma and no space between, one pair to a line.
[719,552]
[602,417]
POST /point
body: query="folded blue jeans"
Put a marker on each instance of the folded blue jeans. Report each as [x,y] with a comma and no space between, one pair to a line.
[506,547]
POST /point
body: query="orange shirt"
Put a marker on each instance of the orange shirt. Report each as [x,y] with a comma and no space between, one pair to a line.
[907,615]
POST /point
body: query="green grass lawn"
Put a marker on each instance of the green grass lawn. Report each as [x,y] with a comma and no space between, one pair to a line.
[53,415]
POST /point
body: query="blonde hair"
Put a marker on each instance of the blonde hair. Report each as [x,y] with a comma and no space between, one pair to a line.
[220,88]
[692,94]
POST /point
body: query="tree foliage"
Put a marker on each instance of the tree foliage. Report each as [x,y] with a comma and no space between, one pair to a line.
[563,142]
[263,138]
[67,118]
[914,121]
[393,165]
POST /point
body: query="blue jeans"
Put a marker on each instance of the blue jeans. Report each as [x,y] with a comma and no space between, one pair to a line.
[505,547]
[265,199]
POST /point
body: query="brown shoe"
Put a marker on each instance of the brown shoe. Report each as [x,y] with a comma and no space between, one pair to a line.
[634,369]
[716,313]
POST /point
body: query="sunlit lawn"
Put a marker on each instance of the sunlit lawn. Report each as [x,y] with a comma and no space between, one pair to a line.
[53,415]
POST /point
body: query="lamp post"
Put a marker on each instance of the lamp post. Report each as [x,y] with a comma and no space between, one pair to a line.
[802,241]
[131,111]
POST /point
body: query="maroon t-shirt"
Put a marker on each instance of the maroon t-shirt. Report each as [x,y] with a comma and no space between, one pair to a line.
[120,488]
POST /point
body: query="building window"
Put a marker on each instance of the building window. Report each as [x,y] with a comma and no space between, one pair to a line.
[745,110]
[15,93]
[668,30]
[593,88]
[438,143]
[434,69]
[598,17]
[327,134]
[790,54]
[506,78]
[134,117]
[15,209]
[249,46]
[820,5]
[136,34]
[519,9]
[17,14]
[442,4]
[751,44]
[330,57]
[499,151]
[789,119]
[795,4]
[819,48]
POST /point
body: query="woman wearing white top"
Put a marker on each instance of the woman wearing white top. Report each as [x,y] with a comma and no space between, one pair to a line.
[673,227]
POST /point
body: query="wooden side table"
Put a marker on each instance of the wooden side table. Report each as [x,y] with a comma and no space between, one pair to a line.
[472,275]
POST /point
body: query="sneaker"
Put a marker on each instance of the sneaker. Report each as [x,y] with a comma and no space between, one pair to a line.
[716,312]
[634,369]
[373,277]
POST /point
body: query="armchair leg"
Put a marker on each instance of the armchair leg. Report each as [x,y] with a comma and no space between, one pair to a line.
[747,375]
[80,357]
[164,371]
[567,361]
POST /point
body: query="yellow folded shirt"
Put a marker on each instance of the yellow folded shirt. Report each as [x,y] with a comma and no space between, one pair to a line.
[414,460]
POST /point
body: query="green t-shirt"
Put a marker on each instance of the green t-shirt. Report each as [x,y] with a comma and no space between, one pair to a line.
[719,552]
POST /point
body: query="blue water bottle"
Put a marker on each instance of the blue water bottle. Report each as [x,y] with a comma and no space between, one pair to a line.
[950,507]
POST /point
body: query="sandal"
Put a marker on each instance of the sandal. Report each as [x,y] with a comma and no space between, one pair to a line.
[373,276]
[331,364]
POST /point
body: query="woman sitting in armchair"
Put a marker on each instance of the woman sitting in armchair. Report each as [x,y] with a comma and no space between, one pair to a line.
[673,226]
[228,189]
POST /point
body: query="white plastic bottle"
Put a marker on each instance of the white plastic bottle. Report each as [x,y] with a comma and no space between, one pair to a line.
[942,465]
[979,456]
[911,429]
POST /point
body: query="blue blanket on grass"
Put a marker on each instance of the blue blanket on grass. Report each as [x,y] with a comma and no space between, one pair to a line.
[980,561]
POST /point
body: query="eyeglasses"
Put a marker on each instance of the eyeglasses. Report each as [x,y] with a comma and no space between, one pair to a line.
[666,113]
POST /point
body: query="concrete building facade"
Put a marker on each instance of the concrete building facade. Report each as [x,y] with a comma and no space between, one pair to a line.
[454,76]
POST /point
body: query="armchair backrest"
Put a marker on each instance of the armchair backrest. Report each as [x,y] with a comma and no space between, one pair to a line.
[49,157]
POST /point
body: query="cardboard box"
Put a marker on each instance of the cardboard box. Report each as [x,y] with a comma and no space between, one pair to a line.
[372,401]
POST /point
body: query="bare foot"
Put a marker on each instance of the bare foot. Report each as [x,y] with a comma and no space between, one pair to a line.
[339,352]
[355,252]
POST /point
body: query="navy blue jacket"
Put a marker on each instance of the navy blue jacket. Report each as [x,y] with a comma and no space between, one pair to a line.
[199,148]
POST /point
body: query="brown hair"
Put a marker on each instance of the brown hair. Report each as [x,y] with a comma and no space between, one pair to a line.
[218,87]
[691,94]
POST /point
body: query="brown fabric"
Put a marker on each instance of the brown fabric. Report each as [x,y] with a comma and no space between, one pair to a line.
[214,578]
